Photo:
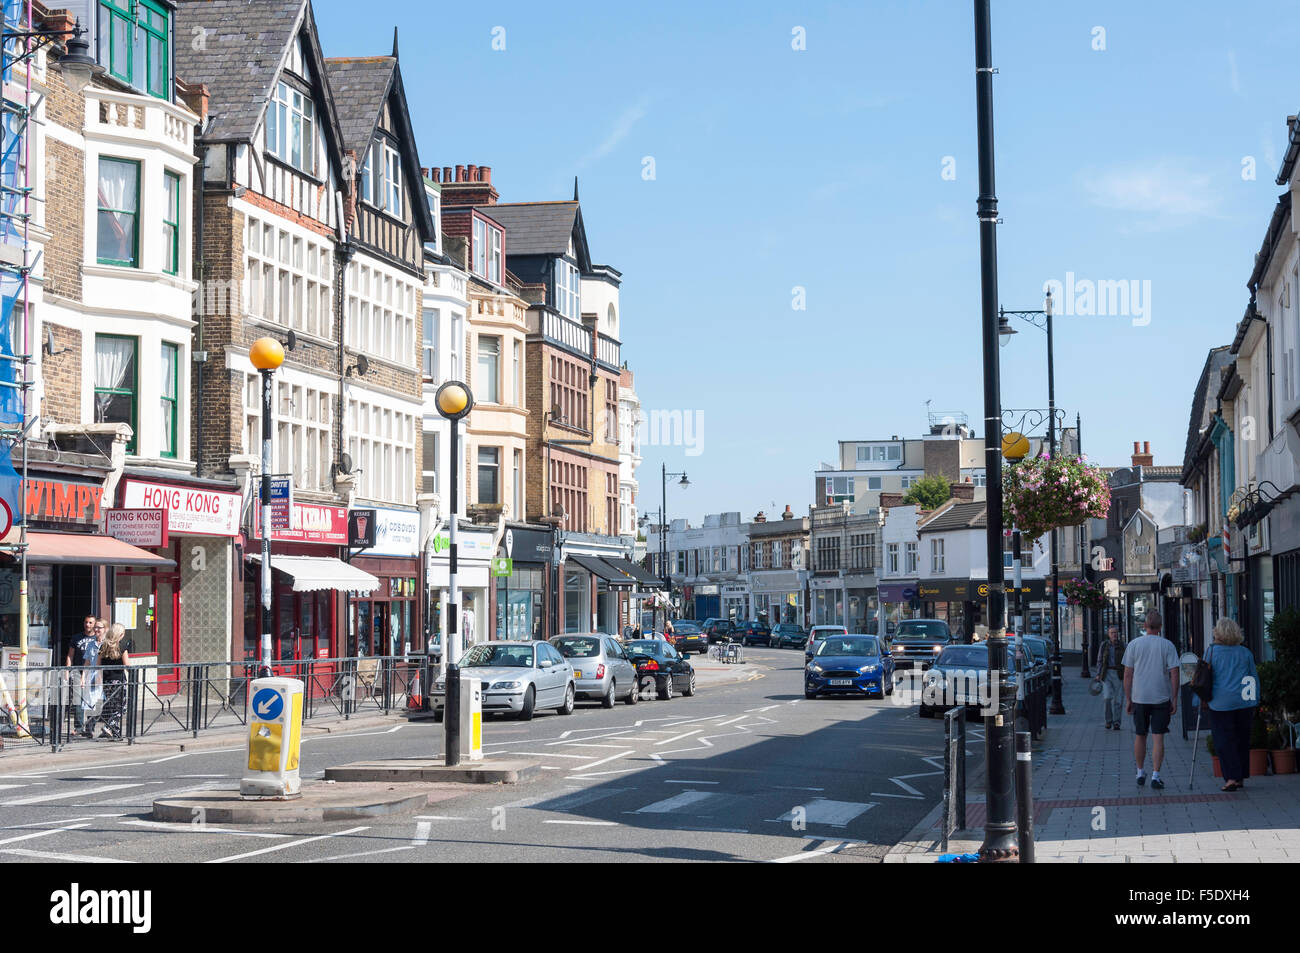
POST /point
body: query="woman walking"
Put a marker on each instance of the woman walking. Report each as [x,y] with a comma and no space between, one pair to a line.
[1232,704]
[112,662]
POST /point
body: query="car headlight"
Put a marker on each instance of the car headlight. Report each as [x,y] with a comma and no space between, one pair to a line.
[814,667]
[898,650]
[439,685]
[938,648]
[867,668]
[506,686]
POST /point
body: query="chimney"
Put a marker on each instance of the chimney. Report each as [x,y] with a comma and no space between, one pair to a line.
[888,499]
[471,186]
[963,491]
[471,173]
[1142,458]
[435,174]
[460,173]
[788,514]
[446,173]
[485,174]
[760,518]
[424,171]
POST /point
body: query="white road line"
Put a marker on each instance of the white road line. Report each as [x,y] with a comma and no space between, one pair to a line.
[65,820]
[905,797]
[585,823]
[687,734]
[551,767]
[171,757]
[106,777]
[394,728]
[35,834]
[830,813]
[597,774]
[438,817]
[69,858]
[795,858]
[657,757]
[190,776]
[767,708]
[613,757]
[4,787]
[779,788]
[421,834]
[544,754]
[692,782]
[674,803]
[294,843]
[40,799]
[363,853]
[907,787]
[584,744]
[182,828]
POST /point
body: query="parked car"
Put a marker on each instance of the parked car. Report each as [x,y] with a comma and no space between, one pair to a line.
[755,633]
[957,678]
[518,677]
[601,668]
[664,665]
[720,630]
[689,636]
[849,664]
[816,634]
[916,643]
[788,635]
[1039,649]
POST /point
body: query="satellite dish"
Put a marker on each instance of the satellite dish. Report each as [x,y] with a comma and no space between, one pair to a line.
[292,341]
[363,364]
[345,463]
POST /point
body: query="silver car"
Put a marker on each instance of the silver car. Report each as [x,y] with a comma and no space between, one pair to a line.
[517,677]
[601,668]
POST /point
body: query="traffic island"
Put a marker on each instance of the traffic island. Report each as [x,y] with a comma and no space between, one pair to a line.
[497,771]
[319,801]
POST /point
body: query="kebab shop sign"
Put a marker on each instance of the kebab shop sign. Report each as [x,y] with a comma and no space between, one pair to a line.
[190,511]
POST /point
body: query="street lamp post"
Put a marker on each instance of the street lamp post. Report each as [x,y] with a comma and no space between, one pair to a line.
[266,354]
[1000,843]
[663,530]
[454,401]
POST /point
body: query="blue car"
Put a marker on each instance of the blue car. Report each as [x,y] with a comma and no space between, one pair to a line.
[851,665]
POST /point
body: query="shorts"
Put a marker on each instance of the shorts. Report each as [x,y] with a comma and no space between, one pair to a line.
[1156,717]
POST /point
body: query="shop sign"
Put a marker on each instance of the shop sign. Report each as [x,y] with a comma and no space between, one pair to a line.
[308,523]
[1140,547]
[147,528]
[190,511]
[502,566]
[397,532]
[63,501]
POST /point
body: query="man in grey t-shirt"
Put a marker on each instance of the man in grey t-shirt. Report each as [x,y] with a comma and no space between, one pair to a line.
[1151,688]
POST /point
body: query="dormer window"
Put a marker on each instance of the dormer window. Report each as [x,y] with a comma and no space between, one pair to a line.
[381,178]
[487,251]
[568,290]
[135,44]
[291,128]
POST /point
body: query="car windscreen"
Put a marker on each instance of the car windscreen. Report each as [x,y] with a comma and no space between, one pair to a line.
[922,630]
[645,647]
[507,656]
[577,646]
[838,645]
[969,656]
[686,628]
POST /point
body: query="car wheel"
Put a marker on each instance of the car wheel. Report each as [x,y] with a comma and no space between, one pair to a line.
[889,684]
[610,696]
[530,701]
[927,711]
[634,695]
[567,707]
[809,695]
[690,689]
[666,693]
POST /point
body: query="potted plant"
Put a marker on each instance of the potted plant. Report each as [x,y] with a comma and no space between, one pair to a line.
[1209,746]
[1081,592]
[1281,752]
[1047,493]
[1258,746]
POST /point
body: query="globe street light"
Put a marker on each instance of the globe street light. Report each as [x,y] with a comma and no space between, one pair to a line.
[267,354]
[454,401]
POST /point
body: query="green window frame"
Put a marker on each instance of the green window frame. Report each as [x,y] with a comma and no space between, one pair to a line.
[108,395]
[112,219]
[172,223]
[135,44]
[170,399]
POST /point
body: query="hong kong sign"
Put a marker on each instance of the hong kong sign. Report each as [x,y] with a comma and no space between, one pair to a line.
[190,510]
[138,527]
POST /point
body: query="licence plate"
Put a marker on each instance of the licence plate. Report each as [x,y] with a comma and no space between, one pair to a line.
[841,681]
[577,674]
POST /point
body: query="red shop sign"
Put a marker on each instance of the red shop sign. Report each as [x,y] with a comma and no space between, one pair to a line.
[308,523]
[147,528]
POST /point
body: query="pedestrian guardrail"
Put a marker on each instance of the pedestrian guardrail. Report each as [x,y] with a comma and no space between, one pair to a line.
[77,705]
[728,652]
[954,773]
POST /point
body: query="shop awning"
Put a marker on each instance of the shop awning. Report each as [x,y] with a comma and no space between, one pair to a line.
[84,549]
[311,573]
[639,574]
[598,567]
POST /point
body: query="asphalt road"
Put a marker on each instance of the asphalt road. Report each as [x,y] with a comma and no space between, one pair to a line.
[748,771]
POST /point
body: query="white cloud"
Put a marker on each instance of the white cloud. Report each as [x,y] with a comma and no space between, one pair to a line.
[1165,190]
[1234,78]
[628,118]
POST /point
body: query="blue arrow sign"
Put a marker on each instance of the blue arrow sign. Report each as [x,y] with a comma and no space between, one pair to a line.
[268,704]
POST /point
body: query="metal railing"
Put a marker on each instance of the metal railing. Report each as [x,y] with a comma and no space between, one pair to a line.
[67,705]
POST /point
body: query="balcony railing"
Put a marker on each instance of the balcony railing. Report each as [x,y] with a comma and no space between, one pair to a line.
[608,351]
[567,332]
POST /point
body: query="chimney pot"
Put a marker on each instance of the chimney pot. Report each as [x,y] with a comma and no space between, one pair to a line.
[437,174]
[424,171]
[485,173]
[446,173]
[471,173]
[1136,446]
[1146,446]
[460,177]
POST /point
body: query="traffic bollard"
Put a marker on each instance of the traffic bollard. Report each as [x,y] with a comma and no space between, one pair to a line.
[1025,796]
[451,716]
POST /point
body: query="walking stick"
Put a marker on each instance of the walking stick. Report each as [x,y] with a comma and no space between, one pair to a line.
[1196,743]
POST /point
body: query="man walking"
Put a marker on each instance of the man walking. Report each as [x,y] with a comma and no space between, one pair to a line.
[1151,687]
[81,654]
[1108,666]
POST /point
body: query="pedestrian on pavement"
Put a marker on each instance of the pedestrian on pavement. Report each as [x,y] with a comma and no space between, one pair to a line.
[114,657]
[1151,688]
[1108,666]
[1232,704]
[77,661]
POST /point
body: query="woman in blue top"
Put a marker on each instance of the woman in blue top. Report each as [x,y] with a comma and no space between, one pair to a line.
[1232,705]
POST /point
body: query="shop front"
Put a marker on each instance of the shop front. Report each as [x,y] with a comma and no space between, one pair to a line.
[594,591]
[520,594]
[828,600]
[184,613]
[475,545]
[863,608]
[779,597]
[386,620]
[735,603]
[900,600]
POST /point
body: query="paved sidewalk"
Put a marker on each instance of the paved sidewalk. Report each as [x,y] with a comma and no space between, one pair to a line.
[1089,809]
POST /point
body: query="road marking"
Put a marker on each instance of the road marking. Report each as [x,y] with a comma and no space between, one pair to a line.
[795,858]
[70,858]
[181,776]
[439,817]
[294,843]
[104,777]
[585,823]
[4,787]
[551,767]
[394,728]
[39,799]
[723,724]
[544,754]
[35,834]
[657,757]
[830,813]
[613,757]
[363,853]
[779,788]
[584,744]
[687,734]
[421,833]
[905,797]
[597,774]
[692,782]
[674,803]
[171,757]
[907,787]
[184,828]
[767,708]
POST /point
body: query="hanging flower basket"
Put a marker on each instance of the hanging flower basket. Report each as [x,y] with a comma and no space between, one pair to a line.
[1081,592]
[1046,493]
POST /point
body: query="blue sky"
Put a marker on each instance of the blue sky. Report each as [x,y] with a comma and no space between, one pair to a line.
[822,169]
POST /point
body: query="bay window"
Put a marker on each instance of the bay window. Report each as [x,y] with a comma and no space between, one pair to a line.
[381,177]
[291,128]
[119,212]
[568,294]
[489,356]
[116,382]
[135,44]
[171,223]
[489,477]
[169,399]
